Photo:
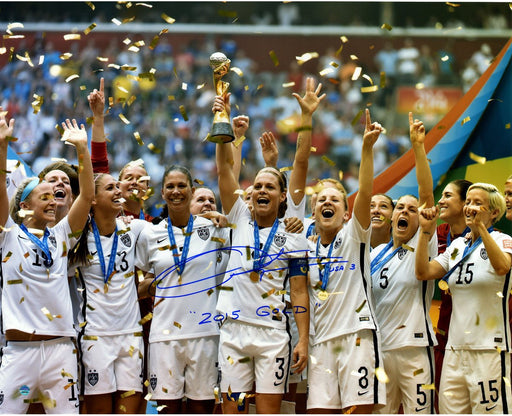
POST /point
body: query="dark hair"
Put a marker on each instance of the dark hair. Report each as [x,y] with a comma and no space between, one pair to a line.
[281,178]
[462,187]
[388,198]
[172,168]
[68,169]
[80,252]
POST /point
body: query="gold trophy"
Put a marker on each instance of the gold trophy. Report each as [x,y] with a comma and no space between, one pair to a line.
[221,131]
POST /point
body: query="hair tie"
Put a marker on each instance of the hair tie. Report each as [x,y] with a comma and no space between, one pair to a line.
[29,188]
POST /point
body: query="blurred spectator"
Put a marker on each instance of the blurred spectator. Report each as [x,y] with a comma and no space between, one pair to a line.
[386,60]
[408,63]
[427,67]
[288,14]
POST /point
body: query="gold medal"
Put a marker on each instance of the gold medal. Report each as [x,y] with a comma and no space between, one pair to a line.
[255,277]
[443,285]
[323,295]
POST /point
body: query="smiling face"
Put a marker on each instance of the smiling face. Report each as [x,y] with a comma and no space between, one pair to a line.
[61,188]
[177,191]
[330,212]
[405,219]
[508,200]
[108,196]
[267,195]
[381,211]
[451,204]
[42,201]
[203,201]
[477,200]
[131,185]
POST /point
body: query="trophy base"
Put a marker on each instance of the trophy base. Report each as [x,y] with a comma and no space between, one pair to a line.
[221,133]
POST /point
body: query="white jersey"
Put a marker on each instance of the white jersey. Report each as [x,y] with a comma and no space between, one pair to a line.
[293,210]
[345,305]
[111,308]
[35,298]
[402,303]
[259,302]
[480,314]
[184,306]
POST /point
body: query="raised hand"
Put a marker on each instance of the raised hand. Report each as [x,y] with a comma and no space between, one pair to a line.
[371,130]
[416,130]
[269,149]
[97,100]
[73,134]
[221,102]
[309,103]
[6,129]
[240,126]
[428,219]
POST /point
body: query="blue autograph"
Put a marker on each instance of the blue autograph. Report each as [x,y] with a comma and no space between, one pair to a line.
[336,264]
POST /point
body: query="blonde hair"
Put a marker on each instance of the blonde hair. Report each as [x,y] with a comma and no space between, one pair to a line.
[496,199]
[14,204]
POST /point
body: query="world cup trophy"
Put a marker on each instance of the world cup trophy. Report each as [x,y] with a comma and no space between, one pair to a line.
[221,131]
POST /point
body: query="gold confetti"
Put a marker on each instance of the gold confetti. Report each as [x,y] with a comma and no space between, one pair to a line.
[373,88]
[408,248]
[340,175]
[328,161]
[183,112]
[147,318]
[273,56]
[386,26]
[72,36]
[452,4]
[477,159]
[37,103]
[356,119]
[230,360]
[218,240]
[381,375]
[358,341]
[326,71]
[91,5]
[417,372]
[428,386]
[227,288]
[127,394]
[306,57]
[507,381]
[465,120]
[168,19]
[22,299]
[361,306]
[231,225]
[454,253]
[15,282]
[177,325]
[244,360]
[267,294]
[357,73]
[368,78]
[286,169]
[7,257]
[89,28]
[47,313]
[238,141]
[288,84]
[65,374]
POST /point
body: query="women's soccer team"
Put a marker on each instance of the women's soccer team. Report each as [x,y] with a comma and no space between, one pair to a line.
[105,308]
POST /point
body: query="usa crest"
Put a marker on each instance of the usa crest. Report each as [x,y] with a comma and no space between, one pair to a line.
[153,381]
[337,244]
[203,233]
[93,377]
[280,240]
[483,253]
[126,240]
[52,240]
[401,253]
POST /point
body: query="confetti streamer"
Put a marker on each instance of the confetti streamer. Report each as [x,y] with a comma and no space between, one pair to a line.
[465,120]
[373,88]
[183,112]
[274,58]
[357,73]
[386,26]
[477,159]
[328,161]
[168,19]
[72,36]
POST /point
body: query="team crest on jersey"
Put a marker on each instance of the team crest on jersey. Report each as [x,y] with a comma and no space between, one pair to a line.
[203,233]
[219,256]
[93,377]
[153,381]
[337,243]
[280,240]
[52,240]
[483,253]
[401,253]
[126,240]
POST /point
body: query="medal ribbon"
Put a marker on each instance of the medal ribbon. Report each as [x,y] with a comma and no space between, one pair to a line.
[376,264]
[42,244]
[449,236]
[467,252]
[311,230]
[324,274]
[257,258]
[180,262]
[141,215]
[112,261]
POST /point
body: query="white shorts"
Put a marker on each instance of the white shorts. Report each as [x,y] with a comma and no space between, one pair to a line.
[184,368]
[43,371]
[342,372]
[111,363]
[411,380]
[250,353]
[472,382]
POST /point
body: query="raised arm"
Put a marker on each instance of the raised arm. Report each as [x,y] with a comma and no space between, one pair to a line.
[80,209]
[425,269]
[240,126]
[98,140]
[423,174]
[364,195]
[6,130]
[228,183]
[308,104]
[269,149]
